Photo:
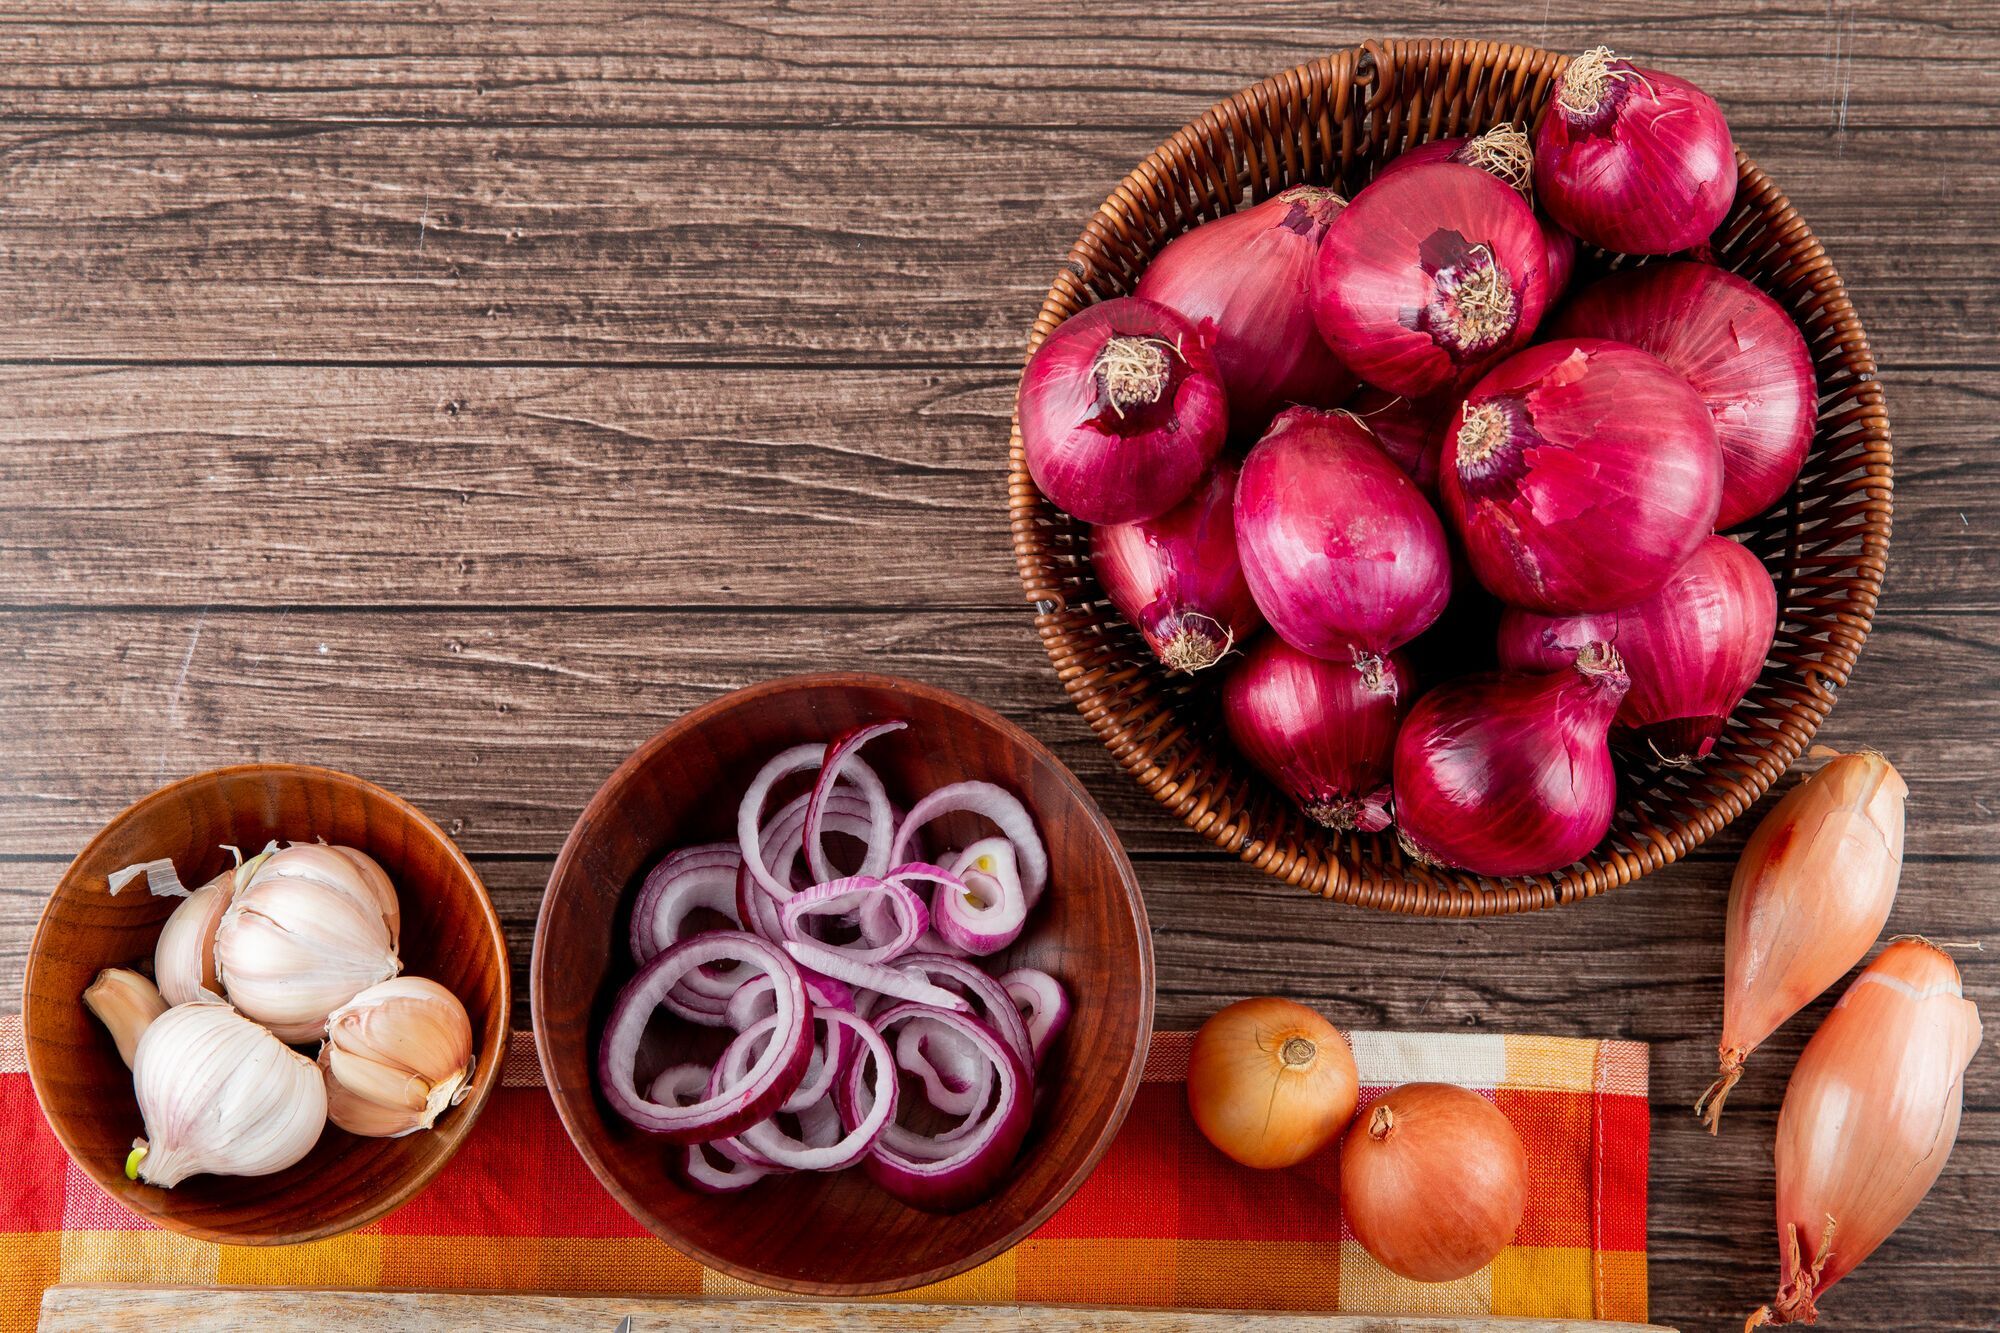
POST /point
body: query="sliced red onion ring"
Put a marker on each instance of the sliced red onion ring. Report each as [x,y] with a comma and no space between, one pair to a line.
[842,757]
[988,999]
[750,813]
[982,910]
[681,882]
[742,1103]
[956,1080]
[683,1085]
[979,1159]
[1043,1004]
[990,802]
[819,1124]
[782,840]
[768,1140]
[896,981]
[907,917]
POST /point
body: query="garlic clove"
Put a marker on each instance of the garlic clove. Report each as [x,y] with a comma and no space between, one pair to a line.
[291,949]
[184,957]
[127,1004]
[398,1054]
[221,1096]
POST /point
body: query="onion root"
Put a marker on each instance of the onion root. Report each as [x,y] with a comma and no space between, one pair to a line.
[1709,1107]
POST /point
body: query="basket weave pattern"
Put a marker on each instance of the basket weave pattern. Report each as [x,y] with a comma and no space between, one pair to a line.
[1335,121]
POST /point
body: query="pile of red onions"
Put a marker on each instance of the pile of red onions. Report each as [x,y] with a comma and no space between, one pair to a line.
[826,985]
[1352,562]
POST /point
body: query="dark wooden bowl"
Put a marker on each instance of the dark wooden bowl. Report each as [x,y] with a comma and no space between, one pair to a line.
[450,935]
[838,1235]
[1336,121]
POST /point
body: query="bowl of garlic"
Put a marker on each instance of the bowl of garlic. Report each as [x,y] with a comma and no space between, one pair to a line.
[266,1004]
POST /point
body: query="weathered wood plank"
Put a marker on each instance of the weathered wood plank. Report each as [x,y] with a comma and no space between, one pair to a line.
[994,62]
[500,724]
[268,486]
[921,246]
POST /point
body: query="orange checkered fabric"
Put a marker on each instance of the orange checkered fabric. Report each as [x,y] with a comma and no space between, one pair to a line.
[1164,1221]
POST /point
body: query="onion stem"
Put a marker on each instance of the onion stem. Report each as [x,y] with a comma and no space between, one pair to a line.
[1133,371]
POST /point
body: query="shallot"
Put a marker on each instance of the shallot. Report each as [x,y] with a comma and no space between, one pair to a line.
[1811,893]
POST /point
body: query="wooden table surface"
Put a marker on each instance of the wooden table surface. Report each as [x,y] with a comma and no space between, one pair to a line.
[455,395]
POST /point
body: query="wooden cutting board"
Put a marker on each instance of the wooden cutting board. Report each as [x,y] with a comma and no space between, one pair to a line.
[113,1309]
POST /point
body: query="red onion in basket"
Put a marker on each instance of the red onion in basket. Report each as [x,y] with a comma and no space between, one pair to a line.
[1632,159]
[1242,280]
[1692,650]
[1511,774]
[1323,731]
[1177,578]
[1506,154]
[1432,274]
[1343,554]
[1740,351]
[1122,409]
[1580,475]
[1410,430]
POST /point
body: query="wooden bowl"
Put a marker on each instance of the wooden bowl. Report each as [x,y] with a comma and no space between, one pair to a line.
[450,935]
[1336,121]
[838,1235]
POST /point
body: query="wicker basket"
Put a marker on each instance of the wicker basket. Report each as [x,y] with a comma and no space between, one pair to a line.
[1336,120]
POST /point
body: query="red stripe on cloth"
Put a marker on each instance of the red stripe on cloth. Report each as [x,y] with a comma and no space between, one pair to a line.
[31,1183]
[1624,1133]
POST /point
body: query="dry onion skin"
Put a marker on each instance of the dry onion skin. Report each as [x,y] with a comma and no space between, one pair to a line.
[1433,1181]
[1869,1119]
[1811,894]
[1270,1082]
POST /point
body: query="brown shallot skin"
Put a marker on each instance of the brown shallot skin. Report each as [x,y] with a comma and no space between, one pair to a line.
[1869,1120]
[1811,894]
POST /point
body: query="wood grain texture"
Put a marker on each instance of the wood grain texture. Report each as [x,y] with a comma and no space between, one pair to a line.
[787,255]
[449,933]
[919,246]
[840,1234]
[117,1309]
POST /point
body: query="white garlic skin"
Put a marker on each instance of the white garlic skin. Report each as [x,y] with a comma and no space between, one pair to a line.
[184,957]
[396,1057]
[221,1096]
[312,928]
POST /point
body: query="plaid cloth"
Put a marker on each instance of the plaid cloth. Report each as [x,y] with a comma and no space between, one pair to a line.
[1164,1221]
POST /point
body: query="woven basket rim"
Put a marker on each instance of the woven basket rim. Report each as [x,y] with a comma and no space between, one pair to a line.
[1351,86]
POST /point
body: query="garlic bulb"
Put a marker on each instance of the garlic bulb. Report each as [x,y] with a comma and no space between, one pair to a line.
[222,1096]
[396,1056]
[126,1003]
[184,958]
[312,928]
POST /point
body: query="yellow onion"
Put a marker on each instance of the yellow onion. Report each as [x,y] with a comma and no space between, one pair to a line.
[1270,1082]
[1869,1118]
[1812,891]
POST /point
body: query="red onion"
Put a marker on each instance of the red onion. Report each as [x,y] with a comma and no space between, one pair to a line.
[827,960]
[1580,475]
[1323,731]
[1410,430]
[691,878]
[1176,577]
[1693,649]
[1740,351]
[1505,154]
[907,914]
[989,802]
[1341,551]
[1043,1004]
[1122,409]
[1632,159]
[1511,774]
[842,758]
[1432,274]
[982,908]
[1241,280]
[774,1145]
[740,1104]
[986,999]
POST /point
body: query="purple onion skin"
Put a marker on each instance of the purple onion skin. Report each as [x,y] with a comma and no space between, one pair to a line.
[1410,431]
[1740,351]
[1393,290]
[1324,732]
[1177,578]
[1342,552]
[1096,449]
[1580,474]
[1509,774]
[1692,650]
[1646,168]
[1241,280]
